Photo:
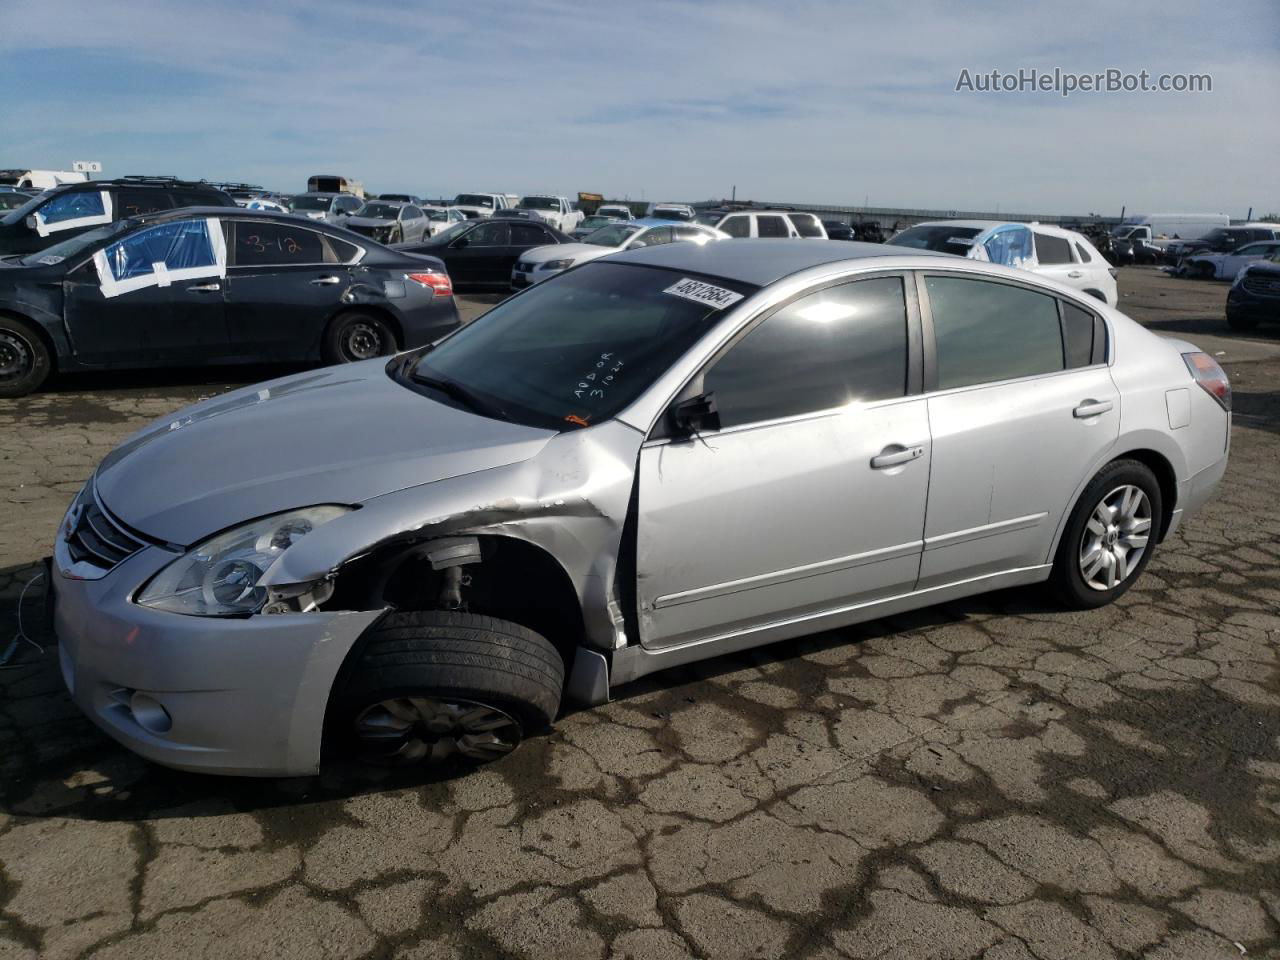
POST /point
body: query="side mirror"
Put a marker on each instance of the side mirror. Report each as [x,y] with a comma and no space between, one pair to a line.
[694,415]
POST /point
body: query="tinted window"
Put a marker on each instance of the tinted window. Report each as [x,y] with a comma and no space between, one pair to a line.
[841,344]
[1051,250]
[1077,335]
[261,244]
[941,237]
[771,227]
[134,203]
[739,226]
[343,252]
[493,234]
[529,235]
[992,331]
[1083,254]
[198,198]
[412,213]
[806,225]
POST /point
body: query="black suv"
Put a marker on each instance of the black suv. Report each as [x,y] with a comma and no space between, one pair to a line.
[71,208]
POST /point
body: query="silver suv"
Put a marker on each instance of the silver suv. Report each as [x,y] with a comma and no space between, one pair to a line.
[664,455]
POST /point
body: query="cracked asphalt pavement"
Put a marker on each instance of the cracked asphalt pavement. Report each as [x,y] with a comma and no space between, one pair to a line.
[991,778]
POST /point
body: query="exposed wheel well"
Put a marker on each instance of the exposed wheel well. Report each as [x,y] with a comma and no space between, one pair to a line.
[41,332]
[1167,479]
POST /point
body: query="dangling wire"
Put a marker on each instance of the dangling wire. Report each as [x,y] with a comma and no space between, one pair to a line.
[21,635]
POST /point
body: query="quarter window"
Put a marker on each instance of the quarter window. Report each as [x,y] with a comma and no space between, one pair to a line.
[1083,254]
[1052,250]
[985,332]
[837,346]
[771,227]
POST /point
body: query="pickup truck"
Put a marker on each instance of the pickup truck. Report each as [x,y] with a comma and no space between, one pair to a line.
[483,204]
[557,211]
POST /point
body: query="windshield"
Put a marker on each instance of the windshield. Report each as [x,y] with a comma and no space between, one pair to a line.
[379,211]
[613,212]
[575,350]
[1122,231]
[74,246]
[473,200]
[310,203]
[941,237]
[540,203]
[669,213]
[613,235]
[29,205]
[12,201]
[592,222]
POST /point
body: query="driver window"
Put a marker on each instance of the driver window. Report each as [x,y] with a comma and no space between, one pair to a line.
[492,234]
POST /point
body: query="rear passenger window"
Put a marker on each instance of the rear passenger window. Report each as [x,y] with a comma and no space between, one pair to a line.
[1051,250]
[833,347]
[136,202]
[987,331]
[771,227]
[737,226]
[1083,254]
[277,244]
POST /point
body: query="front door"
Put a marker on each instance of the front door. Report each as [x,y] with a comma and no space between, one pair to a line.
[477,256]
[1024,412]
[160,301]
[811,494]
[284,281]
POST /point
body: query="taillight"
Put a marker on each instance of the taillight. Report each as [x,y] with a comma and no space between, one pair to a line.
[1211,377]
[439,282]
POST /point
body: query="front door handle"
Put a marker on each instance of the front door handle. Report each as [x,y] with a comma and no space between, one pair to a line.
[1074,274]
[895,454]
[205,288]
[326,281]
[1092,408]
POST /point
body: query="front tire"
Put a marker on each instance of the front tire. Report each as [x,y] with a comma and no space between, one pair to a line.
[432,686]
[1110,536]
[355,336]
[25,362]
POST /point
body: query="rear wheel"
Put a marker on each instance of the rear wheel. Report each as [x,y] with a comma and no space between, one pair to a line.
[24,359]
[1110,536]
[357,336]
[431,686]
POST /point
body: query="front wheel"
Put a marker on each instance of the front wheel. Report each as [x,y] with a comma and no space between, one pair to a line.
[1110,536]
[432,686]
[357,336]
[24,359]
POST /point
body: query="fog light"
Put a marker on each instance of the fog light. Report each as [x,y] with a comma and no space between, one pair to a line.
[149,714]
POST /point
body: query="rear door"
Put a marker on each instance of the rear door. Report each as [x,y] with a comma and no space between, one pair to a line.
[284,281]
[1022,411]
[771,225]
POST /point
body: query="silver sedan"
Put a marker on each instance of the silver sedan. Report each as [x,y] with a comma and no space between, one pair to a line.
[662,456]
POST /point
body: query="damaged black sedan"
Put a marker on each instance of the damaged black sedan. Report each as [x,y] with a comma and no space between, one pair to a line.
[213,285]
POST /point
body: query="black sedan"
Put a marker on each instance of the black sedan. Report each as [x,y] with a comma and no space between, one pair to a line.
[212,285]
[479,254]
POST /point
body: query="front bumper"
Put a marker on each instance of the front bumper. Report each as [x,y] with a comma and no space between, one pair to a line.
[1242,303]
[243,696]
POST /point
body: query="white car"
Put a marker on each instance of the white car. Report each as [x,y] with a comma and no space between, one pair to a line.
[619,211]
[1225,266]
[776,224]
[672,211]
[442,218]
[557,211]
[262,203]
[539,263]
[1063,255]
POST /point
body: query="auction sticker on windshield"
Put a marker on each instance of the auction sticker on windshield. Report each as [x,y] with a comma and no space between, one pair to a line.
[706,293]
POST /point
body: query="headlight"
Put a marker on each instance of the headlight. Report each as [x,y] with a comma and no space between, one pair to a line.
[558,264]
[220,577]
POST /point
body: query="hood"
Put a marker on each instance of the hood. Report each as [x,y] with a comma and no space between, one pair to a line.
[562,251]
[341,435]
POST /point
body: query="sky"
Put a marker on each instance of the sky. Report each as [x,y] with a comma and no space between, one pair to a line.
[803,101]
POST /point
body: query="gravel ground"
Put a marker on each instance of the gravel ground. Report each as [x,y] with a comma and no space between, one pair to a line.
[990,778]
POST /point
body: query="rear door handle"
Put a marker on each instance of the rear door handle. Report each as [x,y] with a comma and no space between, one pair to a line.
[205,288]
[1092,408]
[1074,274]
[325,281]
[895,454]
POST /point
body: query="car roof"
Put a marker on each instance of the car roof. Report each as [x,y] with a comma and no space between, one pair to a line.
[232,213]
[762,262]
[662,222]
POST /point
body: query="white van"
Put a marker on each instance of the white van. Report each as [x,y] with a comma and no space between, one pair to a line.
[40,179]
[1168,226]
[781,224]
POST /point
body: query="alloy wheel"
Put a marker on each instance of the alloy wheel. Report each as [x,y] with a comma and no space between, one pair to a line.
[16,356]
[1115,538]
[405,730]
[362,341]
